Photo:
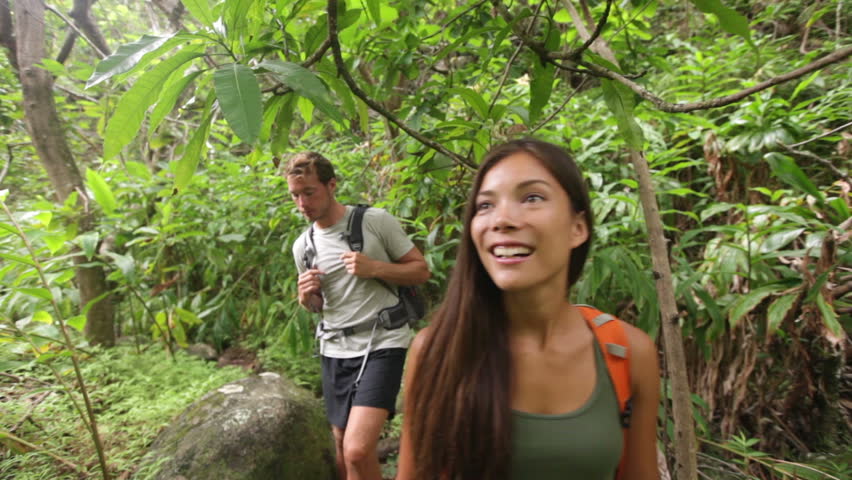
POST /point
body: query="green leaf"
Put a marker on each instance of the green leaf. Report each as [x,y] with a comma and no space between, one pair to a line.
[786,170]
[125,264]
[43,317]
[77,322]
[195,149]
[778,311]
[829,317]
[188,317]
[283,123]
[103,194]
[239,98]
[89,242]
[729,19]
[200,10]
[374,7]
[473,100]
[16,258]
[746,303]
[54,242]
[620,102]
[780,239]
[306,84]
[41,293]
[168,98]
[125,122]
[125,58]
[541,87]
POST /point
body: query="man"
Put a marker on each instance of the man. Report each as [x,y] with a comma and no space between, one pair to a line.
[361,362]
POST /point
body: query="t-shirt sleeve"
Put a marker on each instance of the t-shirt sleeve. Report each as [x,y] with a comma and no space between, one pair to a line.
[299,253]
[388,228]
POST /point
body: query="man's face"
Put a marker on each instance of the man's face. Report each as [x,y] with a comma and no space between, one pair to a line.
[313,197]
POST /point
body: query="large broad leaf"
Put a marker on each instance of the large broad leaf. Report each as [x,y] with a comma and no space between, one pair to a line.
[786,170]
[375,9]
[620,102]
[200,10]
[283,122]
[473,100]
[746,303]
[124,124]
[730,20]
[168,98]
[103,194]
[305,83]
[239,98]
[88,242]
[185,168]
[541,86]
[125,58]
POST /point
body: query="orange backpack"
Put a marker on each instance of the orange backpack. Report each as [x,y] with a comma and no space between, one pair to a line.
[612,339]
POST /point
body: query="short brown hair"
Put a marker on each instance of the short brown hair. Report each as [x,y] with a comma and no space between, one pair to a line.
[306,163]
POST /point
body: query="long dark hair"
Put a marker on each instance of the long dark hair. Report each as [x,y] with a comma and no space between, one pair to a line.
[458,405]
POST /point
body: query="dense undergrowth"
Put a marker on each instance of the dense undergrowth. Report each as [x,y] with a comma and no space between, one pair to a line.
[134,394]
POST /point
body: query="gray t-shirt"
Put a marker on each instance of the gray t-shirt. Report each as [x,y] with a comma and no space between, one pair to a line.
[349,300]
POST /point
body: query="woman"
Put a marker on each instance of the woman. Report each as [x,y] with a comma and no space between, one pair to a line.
[508,380]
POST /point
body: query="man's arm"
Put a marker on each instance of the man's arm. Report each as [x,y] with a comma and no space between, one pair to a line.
[409,269]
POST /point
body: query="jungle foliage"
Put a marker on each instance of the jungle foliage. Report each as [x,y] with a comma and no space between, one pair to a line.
[180,132]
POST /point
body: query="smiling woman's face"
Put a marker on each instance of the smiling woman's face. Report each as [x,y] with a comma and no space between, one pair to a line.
[524,227]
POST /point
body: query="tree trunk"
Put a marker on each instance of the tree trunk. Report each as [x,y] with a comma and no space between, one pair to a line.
[685,443]
[48,137]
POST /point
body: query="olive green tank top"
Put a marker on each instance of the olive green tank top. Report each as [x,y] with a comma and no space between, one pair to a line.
[583,444]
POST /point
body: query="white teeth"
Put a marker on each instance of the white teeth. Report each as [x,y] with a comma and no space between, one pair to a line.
[511,251]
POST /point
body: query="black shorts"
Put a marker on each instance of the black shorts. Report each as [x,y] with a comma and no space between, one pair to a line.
[378,387]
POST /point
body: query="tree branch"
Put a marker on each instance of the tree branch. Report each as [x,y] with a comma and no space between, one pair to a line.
[819,159]
[822,135]
[343,72]
[665,106]
[561,107]
[8,164]
[100,53]
[573,55]
[81,13]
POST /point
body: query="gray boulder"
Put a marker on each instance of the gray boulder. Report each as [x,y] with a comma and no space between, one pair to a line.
[259,428]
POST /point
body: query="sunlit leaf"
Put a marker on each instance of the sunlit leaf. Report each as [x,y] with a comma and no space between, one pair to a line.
[305,83]
[746,303]
[125,122]
[620,102]
[195,149]
[239,97]
[125,264]
[730,20]
[41,293]
[168,99]
[42,316]
[77,322]
[125,58]
[200,10]
[102,191]
[17,258]
[829,317]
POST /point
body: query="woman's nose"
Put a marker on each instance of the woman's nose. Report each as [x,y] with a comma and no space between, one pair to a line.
[506,216]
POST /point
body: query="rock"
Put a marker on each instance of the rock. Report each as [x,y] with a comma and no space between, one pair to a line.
[259,428]
[203,351]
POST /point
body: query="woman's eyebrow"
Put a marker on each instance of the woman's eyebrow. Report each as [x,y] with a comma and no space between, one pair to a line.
[520,186]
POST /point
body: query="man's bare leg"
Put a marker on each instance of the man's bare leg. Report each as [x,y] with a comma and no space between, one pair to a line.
[360,443]
[338,457]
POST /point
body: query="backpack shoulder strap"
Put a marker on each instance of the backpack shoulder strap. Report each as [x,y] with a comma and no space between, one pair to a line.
[355,228]
[610,335]
[310,252]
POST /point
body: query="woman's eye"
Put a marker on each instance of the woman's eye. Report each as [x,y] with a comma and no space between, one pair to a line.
[482,206]
[533,198]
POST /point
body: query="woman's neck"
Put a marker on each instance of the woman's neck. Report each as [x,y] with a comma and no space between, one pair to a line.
[538,313]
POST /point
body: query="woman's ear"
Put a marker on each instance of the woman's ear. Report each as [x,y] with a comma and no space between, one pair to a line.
[579,230]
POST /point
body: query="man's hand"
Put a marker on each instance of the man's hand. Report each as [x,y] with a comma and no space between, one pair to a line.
[310,290]
[359,264]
